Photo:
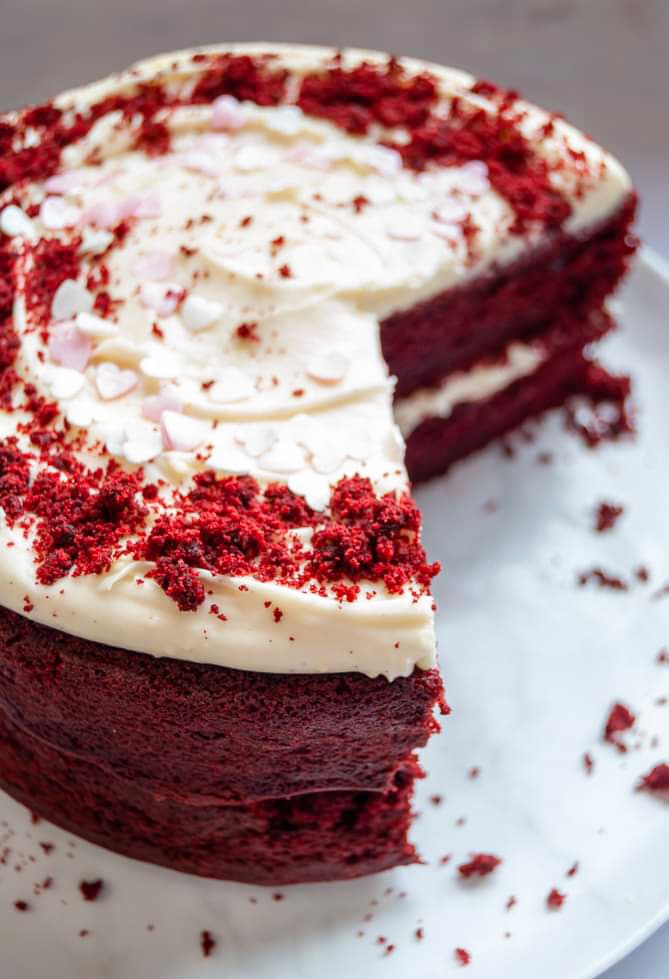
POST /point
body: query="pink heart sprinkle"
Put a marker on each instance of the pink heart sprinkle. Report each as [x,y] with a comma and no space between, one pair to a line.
[181,433]
[227,113]
[104,214]
[63,183]
[113,382]
[155,266]
[144,206]
[69,347]
[163,298]
[153,408]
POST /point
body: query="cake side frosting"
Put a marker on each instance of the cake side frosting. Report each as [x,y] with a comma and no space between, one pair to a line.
[197,284]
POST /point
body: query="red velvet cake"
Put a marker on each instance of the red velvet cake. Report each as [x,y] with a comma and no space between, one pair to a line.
[221,272]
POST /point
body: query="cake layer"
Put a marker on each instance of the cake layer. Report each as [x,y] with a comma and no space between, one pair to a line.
[196,257]
[209,735]
[316,837]
[437,442]
[567,278]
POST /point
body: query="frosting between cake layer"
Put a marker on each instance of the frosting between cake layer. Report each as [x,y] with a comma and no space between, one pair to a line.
[463,387]
[261,251]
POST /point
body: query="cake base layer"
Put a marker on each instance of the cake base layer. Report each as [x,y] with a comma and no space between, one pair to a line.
[437,443]
[206,733]
[569,276]
[316,837]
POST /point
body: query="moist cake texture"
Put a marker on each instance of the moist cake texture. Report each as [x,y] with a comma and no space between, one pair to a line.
[221,271]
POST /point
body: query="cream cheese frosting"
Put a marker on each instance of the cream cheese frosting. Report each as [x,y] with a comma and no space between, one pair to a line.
[266,223]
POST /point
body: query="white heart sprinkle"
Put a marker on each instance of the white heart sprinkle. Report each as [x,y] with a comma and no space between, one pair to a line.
[68,346]
[197,313]
[113,382]
[227,113]
[95,326]
[64,382]
[228,459]
[283,457]
[70,298]
[472,178]
[232,385]
[405,229]
[313,488]
[155,266]
[450,211]
[358,446]
[285,120]
[257,441]
[55,213]
[161,365]
[15,223]
[166,400]
[162,297]
[80,414]
[250,158]
[385,161]
[328,458]
[329,368]
[143,445]
[181,433]
[95,241]
[200,161]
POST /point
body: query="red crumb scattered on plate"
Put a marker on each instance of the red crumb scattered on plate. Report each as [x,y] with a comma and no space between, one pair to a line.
[277,896]
[207,943]
[474,772]
[511,902]
[463,956]
[603,579]
[607,516]
[588,763]
[573,870]
[620,719]
[419,934]
[555,899]
[22,906]
[436,800]
[657,780]
[480,865]
[662,656]
[91,889]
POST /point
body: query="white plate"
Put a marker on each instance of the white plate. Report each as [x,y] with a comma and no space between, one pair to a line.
[532,664]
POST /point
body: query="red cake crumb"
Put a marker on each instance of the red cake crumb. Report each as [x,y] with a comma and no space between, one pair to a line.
[22,906]
[663,656]
[511,902]
[436,800]
[463,956]
[603,579]
[657,780]
[555,899]
[47,847]
[573,870]
[419,934]
[607,516]
[247,331]
[278,896]
[480,865]
[447,857]
[207,943]
[474,772]
[588,763]
[91,889]
[620,719]
[84,933]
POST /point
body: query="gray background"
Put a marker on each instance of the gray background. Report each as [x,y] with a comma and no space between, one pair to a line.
[603,63]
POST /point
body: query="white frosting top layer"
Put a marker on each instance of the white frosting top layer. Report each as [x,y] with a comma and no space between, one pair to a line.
[308,236]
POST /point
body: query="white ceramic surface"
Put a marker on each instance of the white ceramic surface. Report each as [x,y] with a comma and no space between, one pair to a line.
[533,664]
